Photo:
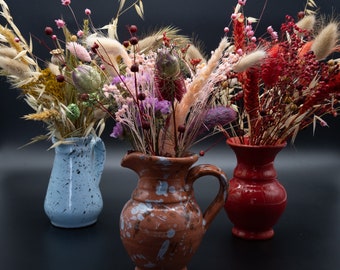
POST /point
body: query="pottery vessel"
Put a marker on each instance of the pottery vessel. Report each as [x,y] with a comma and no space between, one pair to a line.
[73,197]
[256,199]
[161,226]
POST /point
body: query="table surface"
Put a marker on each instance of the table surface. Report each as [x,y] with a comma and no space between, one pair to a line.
[307,235]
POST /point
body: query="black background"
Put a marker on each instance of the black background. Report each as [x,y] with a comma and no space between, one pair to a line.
[307,236]
[202,20]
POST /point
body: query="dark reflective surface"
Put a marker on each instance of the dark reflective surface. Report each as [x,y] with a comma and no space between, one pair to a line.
[306,237]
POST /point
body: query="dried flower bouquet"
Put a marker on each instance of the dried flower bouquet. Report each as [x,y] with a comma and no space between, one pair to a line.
[164,96]
[157,89]
[282,84]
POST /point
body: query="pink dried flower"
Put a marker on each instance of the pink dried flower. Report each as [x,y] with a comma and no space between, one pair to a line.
[60,23]
[80,33]
[66,2]
[88,12]
[79,51]
[270,29]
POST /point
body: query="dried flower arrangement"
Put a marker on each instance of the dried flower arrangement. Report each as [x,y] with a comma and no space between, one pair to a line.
[162,93]
[157,89]
[164,97]
[65,92]
[283,84]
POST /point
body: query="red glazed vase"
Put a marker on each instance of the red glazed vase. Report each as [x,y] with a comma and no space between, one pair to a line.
[161,226]
[256,199]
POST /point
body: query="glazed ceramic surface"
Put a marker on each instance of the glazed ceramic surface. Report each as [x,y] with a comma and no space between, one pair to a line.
[161,226]
[73,197]
[256,198]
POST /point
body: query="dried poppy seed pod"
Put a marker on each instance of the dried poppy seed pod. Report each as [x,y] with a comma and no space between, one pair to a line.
[86,79]
[57,57]
[167,65]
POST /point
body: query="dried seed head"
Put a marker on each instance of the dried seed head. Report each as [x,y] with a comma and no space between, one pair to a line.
[167,65]
[307,23]
[48,30]
[326,41]
[86,79]
[133,40]
[250,60]
[133,29]
[181,128]
[134,67]
[60,78]
[141,96]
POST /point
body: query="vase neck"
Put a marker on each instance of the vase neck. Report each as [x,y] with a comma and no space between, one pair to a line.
[255,162]
[161,179]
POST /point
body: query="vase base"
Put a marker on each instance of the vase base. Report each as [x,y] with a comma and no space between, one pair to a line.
[138,268]
[252,235]
[73,225]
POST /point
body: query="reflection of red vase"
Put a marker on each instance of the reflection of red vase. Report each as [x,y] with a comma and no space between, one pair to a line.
[256,199]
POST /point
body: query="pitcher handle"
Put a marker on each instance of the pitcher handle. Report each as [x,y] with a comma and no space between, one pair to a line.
[99,153]
[219,201]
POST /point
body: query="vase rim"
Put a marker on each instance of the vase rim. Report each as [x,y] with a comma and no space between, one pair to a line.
[189,155]
[73,139]
[235,141]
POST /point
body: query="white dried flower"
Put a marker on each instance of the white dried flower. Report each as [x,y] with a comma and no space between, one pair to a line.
[306,23]
[14,68]
[109,50]
[249,60]
[326,41]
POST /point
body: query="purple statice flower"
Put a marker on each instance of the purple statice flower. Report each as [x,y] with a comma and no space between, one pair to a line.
[220,115]
[118,79]
[117,131]
[160,106]
[163,106]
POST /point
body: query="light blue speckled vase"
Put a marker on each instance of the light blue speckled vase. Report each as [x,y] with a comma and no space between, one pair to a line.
[73,197]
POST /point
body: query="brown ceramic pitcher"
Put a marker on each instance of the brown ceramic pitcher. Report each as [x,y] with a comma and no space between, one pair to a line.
[161,226]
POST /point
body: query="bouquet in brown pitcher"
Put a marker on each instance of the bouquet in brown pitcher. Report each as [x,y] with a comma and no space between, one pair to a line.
[164,97]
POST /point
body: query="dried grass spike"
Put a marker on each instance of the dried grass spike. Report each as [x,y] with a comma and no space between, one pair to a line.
[250,60]
[307,23]
[326,41]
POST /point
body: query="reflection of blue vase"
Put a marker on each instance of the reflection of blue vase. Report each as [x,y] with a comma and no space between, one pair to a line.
[73,197]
